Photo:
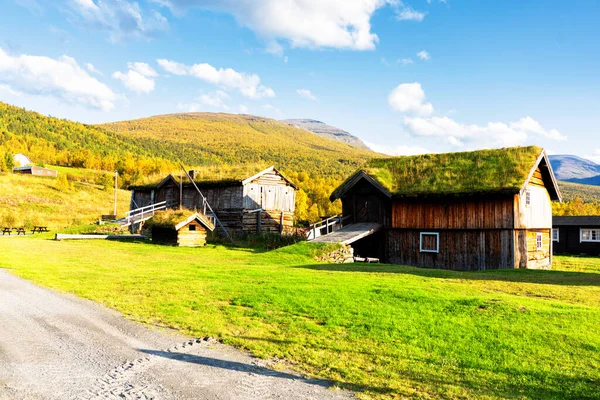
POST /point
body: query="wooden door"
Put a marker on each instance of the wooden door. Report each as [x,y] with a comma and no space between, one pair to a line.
[367,208]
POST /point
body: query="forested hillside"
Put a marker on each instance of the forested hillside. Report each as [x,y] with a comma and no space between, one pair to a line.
[145,148]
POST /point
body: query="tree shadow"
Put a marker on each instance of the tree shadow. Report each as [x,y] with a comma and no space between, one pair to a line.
[545,277]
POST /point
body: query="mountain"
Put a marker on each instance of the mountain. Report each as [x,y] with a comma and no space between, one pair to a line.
[208,139]
[575,169]
[327,131]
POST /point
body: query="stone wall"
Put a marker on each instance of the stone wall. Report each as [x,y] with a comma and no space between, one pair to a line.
[344,254]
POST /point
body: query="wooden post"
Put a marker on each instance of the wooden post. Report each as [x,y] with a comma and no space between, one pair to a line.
[258,227]
[115,205]
[281,223]
[180,191]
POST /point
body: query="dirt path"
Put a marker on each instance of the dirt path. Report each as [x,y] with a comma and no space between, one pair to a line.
[55,346]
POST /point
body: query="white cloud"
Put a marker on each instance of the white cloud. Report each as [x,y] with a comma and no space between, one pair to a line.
[423,55]
[306,94]
[272,110]
[62,78]
[406,61]
[410,98]
[215,99]
[139,78]
[227,78]
[92,69]
[398,150]
[408,14]
[243,109]
[120,18]
[342,24]
[142,68]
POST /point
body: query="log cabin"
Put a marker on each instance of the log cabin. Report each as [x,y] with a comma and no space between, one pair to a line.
[480,210]
[179,228]
[576,235]
[244,200]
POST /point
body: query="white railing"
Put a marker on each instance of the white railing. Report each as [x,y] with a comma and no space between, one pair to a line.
[146,212]
[326,226]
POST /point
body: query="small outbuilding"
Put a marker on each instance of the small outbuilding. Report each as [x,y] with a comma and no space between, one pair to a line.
[576,235]
[179,228]
[33,170]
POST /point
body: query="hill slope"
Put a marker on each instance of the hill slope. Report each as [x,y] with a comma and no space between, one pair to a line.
[206,139]
[327,131]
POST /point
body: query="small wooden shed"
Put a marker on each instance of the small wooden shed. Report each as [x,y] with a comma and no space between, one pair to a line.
[179,228]
[576,235]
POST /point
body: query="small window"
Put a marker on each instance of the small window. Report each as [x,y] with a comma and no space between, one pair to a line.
[589,235]
[539,241]
[528,197]
[555,235]
[430,242]
[192,227]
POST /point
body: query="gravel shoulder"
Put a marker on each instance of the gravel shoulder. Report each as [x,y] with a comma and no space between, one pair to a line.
[55,346]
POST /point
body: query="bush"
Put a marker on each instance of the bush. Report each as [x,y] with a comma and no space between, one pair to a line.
[62,183]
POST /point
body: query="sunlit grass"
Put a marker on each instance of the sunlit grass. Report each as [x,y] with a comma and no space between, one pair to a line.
[381,330]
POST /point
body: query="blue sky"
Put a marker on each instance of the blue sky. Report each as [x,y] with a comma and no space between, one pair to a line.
[404,76]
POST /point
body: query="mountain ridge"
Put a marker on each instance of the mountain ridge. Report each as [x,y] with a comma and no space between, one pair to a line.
[328,131]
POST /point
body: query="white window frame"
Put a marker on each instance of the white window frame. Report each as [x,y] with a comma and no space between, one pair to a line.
[528,198]
[555,238]
[437,242]
[539,241]
[590,235]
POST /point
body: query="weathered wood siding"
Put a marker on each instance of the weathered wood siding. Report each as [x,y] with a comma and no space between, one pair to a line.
[268,221]
[488,213]
[219,198]
[459,249]
[538,215]
[538,259]
[366,204]
[269,192]
[187,237]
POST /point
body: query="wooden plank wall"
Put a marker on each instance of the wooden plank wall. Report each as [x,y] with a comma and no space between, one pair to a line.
[538,259]
[270,192]
[459,249]
[270,221]
[493,213]
[189,238]
[538,215]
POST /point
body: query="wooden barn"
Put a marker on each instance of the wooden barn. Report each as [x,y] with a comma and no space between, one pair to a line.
[478,210]
[576,235]
[179,228]
[244,201]
[33,170]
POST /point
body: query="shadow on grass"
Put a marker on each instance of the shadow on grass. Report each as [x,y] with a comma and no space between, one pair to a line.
[545,277]
[255,369]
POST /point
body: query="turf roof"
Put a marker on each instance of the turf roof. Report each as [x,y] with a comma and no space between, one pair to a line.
[475,172]
[172,218]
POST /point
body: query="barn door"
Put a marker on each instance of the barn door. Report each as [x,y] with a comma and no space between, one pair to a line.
[366,209]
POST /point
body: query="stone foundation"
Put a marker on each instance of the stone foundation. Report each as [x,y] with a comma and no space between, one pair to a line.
[345,254]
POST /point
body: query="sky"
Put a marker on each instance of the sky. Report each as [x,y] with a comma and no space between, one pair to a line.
[406,77]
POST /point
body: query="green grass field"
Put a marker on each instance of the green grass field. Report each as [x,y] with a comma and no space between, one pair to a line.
[382,331]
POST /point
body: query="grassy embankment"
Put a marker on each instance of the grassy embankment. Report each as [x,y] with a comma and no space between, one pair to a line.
[383,331]
[27,200]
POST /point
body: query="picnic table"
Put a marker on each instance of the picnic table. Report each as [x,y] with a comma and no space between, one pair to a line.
[39,229]
[8,230]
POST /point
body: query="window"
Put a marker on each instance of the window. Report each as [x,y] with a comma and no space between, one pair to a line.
[555,235]
[192,227]
[430,242]
[589,235]
[539,241]
[528,197]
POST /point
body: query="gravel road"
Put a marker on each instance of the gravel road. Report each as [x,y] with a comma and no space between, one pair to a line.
[55,346]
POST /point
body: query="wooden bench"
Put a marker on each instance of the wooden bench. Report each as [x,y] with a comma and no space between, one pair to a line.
[20,230]
[39,229]
[6,230]
[109,217]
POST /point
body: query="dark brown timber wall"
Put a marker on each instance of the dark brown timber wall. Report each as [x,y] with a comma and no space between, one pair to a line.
[458,249]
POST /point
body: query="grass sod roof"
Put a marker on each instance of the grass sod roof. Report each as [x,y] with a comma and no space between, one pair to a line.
[477,172]
[173,218]
[214,177]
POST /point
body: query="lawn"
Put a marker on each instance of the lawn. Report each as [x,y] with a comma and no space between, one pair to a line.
[382,331]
